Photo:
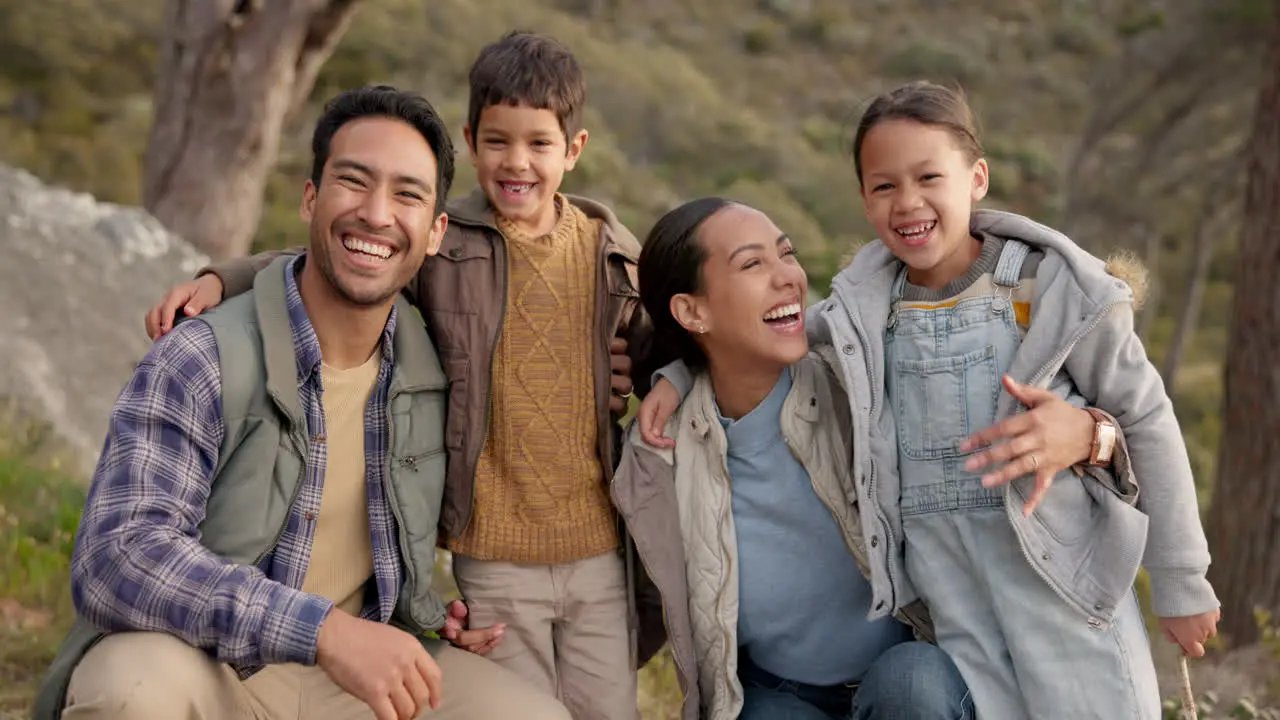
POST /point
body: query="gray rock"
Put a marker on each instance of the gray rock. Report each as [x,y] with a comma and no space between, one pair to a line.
[76,277]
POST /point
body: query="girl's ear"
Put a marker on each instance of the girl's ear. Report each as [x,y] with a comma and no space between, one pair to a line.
[981,180]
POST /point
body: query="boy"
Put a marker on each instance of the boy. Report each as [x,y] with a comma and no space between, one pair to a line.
[523,300]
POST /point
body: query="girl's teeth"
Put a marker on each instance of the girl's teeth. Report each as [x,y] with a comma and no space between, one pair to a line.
[784,311]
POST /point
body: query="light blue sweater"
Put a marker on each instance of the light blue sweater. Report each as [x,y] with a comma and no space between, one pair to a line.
[803,601]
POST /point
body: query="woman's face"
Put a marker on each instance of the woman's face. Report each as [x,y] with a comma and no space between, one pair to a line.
[751,307]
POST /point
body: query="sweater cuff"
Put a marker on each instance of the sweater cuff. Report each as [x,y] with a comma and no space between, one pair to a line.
[1177,592]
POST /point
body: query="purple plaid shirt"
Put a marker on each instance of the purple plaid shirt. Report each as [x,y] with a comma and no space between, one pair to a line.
[138,562]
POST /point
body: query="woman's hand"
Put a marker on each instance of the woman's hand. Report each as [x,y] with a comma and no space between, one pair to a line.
[655,410]
[1051,436]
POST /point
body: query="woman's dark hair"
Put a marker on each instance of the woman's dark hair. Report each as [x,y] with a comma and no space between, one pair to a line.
[671,264]
[925,103]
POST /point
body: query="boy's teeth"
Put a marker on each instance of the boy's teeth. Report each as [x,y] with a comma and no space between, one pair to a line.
[367,248]
[518,188]
[784,311]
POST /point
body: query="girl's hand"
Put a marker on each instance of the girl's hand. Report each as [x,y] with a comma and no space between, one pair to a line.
[1192,631]
[656,409]
[1051,436]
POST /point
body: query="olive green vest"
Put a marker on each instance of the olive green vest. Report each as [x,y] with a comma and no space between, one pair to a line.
[261,461]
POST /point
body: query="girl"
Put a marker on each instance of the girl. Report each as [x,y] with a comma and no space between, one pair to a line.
[1027,571]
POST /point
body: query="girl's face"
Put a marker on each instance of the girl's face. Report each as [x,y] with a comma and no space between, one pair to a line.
[751,306]
[918,189]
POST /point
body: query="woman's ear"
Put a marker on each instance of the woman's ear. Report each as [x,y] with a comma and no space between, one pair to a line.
[689,312]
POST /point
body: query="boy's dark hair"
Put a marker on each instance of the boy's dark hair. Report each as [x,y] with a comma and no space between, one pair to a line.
[671,264]
[525,68]
[925,103]
[385,101]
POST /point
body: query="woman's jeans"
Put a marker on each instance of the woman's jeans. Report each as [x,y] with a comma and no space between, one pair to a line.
[910,681]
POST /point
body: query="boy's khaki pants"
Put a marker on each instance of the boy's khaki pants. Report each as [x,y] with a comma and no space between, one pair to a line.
[155,676]
[566,628]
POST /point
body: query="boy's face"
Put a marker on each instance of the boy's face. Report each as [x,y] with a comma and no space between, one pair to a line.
[373,217]
[521,155]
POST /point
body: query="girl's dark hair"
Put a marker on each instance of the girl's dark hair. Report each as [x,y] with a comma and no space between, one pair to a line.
[671,264]
[925,103]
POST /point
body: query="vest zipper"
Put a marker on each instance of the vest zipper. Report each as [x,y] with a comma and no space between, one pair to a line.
[293,497]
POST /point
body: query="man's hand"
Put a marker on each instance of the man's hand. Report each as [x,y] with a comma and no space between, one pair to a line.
[193,297]
[385,667]
[479,641]
[620,379]
[655,410]
[1192,631]
[1052,435]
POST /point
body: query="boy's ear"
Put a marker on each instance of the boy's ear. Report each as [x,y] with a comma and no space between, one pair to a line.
[471,142]
[574,150]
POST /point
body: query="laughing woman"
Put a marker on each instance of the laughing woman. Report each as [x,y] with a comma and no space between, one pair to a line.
[749,528]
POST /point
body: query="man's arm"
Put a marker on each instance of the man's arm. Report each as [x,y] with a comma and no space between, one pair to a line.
[138,563]
[1111,369]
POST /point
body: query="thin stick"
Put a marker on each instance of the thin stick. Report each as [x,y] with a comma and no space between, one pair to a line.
[1188,697]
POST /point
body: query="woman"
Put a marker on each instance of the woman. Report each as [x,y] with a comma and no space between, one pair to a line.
[746,528]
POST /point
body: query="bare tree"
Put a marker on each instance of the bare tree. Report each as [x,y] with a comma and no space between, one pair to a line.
[230,73]
[1244,521]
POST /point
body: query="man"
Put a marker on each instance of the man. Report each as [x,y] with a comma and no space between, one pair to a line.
[259,538]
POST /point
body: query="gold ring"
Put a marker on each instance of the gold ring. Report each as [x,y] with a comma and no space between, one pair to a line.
[627,395]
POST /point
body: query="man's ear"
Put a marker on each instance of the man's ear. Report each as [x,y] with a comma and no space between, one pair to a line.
[307,208]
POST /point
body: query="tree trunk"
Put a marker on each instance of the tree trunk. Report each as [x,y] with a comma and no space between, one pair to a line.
[1244,521]
[1151,258]
[230,73]
[1207,227]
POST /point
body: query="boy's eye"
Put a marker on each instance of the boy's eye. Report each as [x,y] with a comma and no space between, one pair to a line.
[881,187]
[931,176]
[351,179]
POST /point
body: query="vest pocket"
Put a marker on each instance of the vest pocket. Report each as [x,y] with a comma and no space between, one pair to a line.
[941,401]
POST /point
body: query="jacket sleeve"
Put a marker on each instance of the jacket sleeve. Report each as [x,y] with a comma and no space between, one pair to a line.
[138,563]
[1110,367]
[237,274]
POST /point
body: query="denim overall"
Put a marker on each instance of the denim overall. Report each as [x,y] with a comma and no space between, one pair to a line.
[1022,650]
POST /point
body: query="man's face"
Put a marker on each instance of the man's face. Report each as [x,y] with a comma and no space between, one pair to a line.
[372,219]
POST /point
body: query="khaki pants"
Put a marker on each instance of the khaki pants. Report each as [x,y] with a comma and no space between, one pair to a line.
[566,628]
[155,676]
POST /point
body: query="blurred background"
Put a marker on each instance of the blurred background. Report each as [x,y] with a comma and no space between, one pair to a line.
[139,138]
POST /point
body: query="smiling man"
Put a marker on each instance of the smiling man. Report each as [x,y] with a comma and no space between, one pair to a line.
[259,537]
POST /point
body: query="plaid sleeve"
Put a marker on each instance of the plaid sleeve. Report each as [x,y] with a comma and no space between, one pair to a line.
[138,563]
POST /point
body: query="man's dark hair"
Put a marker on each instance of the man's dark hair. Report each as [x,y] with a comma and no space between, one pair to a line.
[525,68]
[385,101]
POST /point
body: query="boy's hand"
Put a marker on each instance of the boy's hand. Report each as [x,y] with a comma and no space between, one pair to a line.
[656,409]
[479,641]
[193,297]
[620,380]
[1192,631]
[1051,436]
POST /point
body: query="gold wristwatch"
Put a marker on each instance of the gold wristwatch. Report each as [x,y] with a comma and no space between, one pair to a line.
[1104,437]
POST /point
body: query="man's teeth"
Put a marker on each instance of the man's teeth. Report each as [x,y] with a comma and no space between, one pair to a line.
[917,229]
[784,311]
[517,188]
[367,248]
